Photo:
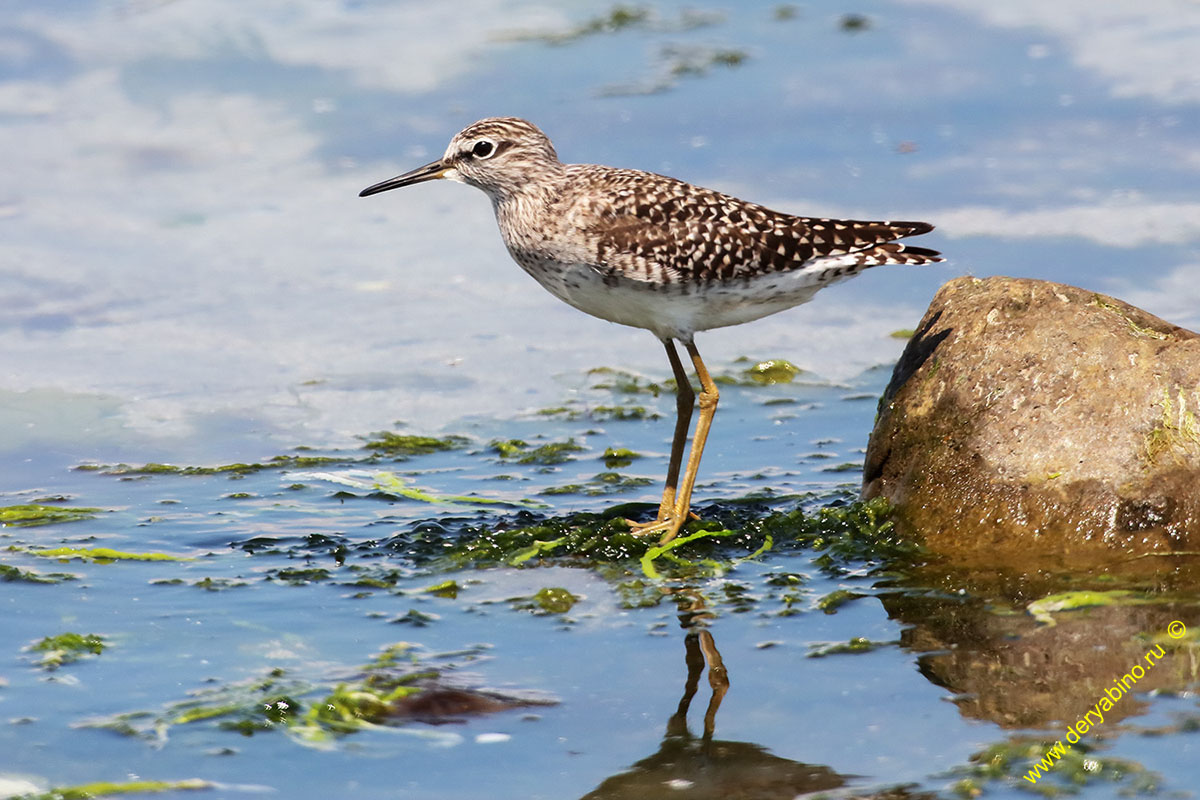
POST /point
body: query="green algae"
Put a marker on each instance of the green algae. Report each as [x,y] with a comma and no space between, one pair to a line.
[415,618]
[618,19]
[562,412]
[771,371]
[33,514]
[233,470]
[100,555]
[857,533]
[1102,301]
[854,23]
[84,791]
[603,484]
[395,444]
[545,455]
[247,707]
[449,589]
[1009,764]
[677,61]
[1042,609]
[208,584]
[550,600]
[845,466]
[854,646]
[11,574]
[387,484]
[622,382]
[387,690]
[301,576]
[622,413]
[392,484]
[831,602]
[658,551]
[66,648]
[616,457]
[1177,432]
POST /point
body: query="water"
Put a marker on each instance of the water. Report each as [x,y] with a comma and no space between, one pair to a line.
[189,278]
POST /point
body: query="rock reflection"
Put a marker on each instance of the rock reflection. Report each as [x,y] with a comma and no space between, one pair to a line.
[1011,669]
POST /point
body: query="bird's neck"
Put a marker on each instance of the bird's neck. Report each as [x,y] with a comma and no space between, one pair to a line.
[528,195]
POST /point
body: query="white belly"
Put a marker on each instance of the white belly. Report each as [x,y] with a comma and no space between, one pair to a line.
[676,310]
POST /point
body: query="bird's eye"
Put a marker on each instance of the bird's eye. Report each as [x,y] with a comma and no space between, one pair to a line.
[483,148]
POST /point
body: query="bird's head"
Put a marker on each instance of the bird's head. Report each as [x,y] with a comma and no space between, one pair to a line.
[500,155]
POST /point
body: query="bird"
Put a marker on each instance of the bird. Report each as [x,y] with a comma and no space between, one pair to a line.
[658,253]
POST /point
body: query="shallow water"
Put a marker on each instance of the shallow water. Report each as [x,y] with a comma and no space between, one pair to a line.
[188,278]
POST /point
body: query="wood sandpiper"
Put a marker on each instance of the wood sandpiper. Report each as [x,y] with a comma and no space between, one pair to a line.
[657,253]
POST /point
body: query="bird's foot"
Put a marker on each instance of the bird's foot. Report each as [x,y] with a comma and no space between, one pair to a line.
[669,526]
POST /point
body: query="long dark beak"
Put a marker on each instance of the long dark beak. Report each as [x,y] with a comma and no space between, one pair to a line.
[429,172]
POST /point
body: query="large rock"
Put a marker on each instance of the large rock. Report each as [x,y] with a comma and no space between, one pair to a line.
[1044,425]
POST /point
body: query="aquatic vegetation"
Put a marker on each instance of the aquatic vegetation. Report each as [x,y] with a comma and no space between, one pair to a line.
[233,470]
[624,382]
[554,600]
[1042,609]
[771,371]
[831,602]
[299,576]
[617,19]
[622,413]
[9,574]
[856,645]
[449,589]
[604,483]
[398,685]
[100,555]
[1177,432]
[858,533]
[1012,762]
[546,455]
[395,444]
[66,648]
[616,457]
[676,61]
[31,514]
[383,483]
[85,791]
[854,23]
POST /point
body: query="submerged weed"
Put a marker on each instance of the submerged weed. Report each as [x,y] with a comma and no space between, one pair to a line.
[10,574]
[617,457]
[545,455]
[395,444]
[1020,762]
[605,483]
[854,533]
[398,685]
[66,648]
[86,791]
[32,514]
[774,370]
[100,555]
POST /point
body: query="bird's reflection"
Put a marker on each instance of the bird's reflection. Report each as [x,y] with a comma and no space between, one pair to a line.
[700,649]
[703,766]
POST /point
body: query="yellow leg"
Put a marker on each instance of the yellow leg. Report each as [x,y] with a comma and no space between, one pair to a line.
[679,499]
[685,401]
[708,408]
